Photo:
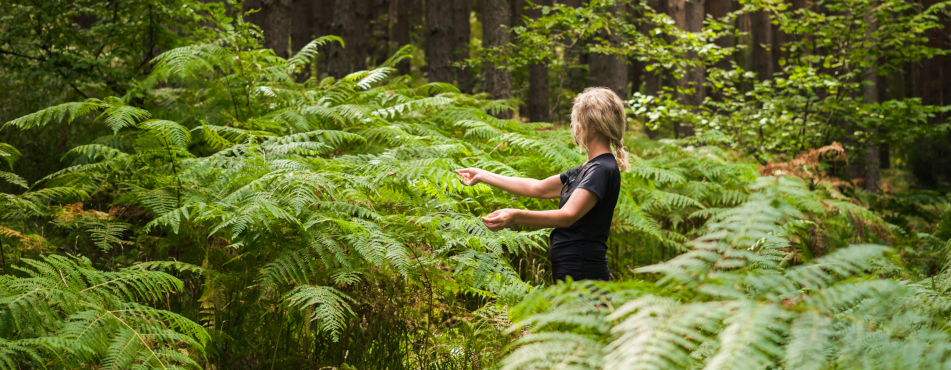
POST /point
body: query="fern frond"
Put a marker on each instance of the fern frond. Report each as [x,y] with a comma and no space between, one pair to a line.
[330,306]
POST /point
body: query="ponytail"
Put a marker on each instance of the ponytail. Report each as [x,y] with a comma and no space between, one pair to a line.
[620,155]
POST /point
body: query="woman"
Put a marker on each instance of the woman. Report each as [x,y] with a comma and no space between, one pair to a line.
[588,192]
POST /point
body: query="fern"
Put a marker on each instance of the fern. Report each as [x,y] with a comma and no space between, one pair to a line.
[65,307]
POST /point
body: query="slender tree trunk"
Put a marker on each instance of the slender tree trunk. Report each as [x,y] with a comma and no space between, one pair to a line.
[495,16]
[277,26]
[683,15]
[274,19]
[338,64]
[303,23]
[870,94]
[538,103]
[577,78]
[360,51]
[776,51]
[380,35]
[439,40]
[635,68]
[762,34]
[653,79]
[610,70]
[399,30]
[515,13]
[518,9]
[461,32]
[719,9]
[258,17]
[697,75]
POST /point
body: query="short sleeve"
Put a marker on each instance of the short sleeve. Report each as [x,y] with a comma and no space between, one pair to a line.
[565,176]
[596,179]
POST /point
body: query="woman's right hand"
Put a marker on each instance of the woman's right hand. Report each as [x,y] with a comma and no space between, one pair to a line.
[472,176]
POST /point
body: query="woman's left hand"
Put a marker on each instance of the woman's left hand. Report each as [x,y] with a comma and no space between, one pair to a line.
[500,219]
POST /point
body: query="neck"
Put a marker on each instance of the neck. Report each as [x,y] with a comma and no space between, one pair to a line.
[598,146]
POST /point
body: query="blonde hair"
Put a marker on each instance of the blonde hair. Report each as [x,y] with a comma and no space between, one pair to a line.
[601,109]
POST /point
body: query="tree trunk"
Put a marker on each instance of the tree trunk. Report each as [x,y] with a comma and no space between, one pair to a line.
[495,16]
[258,17]
[439,40]
[697,75]
[274,19]
[685,17]
[338,64]
[461,32]
[776,52]
[610,70]
[577,78]
[538,103]
[360,42]
[518,8]
[399,30]
[303,23]
[635,68]
[571,3]
[719,9]
[762,34]
[380,35]
[653,79]
[870,95]
[277,26]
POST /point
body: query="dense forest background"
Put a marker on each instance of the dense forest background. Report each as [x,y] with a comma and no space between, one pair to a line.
[268,184]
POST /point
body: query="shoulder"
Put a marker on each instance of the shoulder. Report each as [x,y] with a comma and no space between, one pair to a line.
[605,165]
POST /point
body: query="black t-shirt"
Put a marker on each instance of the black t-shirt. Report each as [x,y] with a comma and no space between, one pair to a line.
[580,250]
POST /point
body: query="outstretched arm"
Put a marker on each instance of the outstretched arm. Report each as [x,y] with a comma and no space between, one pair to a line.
[581,201]
[549,188]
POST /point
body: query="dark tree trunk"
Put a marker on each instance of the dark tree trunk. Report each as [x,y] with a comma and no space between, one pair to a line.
[571,3]
[495,17]
[277,26]
[776,52]
[676,9]
[274,19]
[870,94]
[380,35]
[652,80]
[719,9]
[303,23]
[360,43]
[258,17]
[399,30]
[538,103]
[461,32]
[338,64]
[610,70]
[685,17]
[762,34]
[635,68]
[439,40]
[577,78]
[518,9]
[696,76]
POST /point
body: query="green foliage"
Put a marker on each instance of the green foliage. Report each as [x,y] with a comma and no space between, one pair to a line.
[315,191]
[732,302]
[318,223]
[64,313]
